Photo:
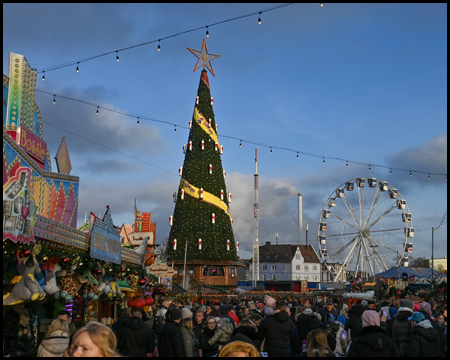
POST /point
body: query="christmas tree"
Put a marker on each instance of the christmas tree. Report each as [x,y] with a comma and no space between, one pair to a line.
[201,218]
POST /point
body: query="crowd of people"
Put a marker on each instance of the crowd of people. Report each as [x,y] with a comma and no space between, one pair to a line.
[269,327]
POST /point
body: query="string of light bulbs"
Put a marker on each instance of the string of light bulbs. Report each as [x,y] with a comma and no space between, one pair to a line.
[241,140]
[442,221]
[78,62]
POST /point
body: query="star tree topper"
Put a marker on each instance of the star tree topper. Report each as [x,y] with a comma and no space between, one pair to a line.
[204,59]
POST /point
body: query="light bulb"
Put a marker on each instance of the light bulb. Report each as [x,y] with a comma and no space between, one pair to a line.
[369,167]
[117,58]
[297,155]
[175,130]
[259,19]
[428,176]
[410,173]
[240,143]
[137,122]
[78,70]
[43,76]
[323,160]
[207,32]
[271,150]
[54,99]
[390,171]
[346,164]
[159,45]
[97,110]
[321,4]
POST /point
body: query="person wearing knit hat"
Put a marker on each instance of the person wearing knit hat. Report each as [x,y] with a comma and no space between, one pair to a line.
[372,340]
[171,343]
[416,307]
[401,325]
[186,313]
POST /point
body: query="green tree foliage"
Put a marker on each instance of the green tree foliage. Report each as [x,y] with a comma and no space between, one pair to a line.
[192,219]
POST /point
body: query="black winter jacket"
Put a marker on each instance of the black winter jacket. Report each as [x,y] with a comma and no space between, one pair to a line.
[301,325]
[424,341]
[354,324]
[278,330]
[135,338]
[400,329]
[157,332]
[372,341]
[207,350]
[198,328]
[171,342]
[246,334]
[324,313]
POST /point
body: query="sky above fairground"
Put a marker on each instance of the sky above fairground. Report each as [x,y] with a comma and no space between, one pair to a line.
[365,83]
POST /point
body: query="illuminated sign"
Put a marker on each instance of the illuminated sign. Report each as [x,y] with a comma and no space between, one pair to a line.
[104,239]
[33,145]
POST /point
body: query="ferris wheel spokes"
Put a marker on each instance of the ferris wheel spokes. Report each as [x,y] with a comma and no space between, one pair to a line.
[361,206]
[345,222]
[342,249]
[349,254]
[392,207]
[376,252]
[359,257]
[372,208]
[350,210]
[384,246]
[368,257]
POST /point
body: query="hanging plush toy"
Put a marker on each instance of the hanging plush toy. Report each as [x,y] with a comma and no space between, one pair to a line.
[115,286]
[26,287]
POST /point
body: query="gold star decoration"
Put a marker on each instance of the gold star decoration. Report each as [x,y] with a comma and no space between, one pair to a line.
[204,59]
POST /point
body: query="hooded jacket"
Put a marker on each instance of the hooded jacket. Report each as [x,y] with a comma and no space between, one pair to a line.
[222,334]
[190,347]
[135,338]
[54,345]
[401,327]
[279,333]
[171,342]
[423,341]
[372,341]
[246,334]
[302,320]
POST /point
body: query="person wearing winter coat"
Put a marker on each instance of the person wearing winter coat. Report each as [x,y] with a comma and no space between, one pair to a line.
[324,312]
[171,343]
[190,342]
[372,340]
[354,321]
[206,335]
[56,341]
[423,339]
[222,333]
[402,325]
[134,337]
[278,333]
[18,337]
[301,322]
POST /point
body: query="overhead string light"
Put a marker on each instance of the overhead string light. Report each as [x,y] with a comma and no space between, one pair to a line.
[271,149]
[43,76]
[54,99]
[346,164]
[369,167]
[323,160]
[207,32]
[410,173]
[137,121]
[240,143]
[78,70]
[159,45]
[390,171]
[428,176]
[259,19]
[175,130]
[297,154]
[97,110]
[117,58]
[321,4]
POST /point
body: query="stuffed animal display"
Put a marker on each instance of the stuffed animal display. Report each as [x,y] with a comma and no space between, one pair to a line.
[26,287]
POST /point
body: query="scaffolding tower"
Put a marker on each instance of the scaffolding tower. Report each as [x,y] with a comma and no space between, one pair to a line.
[255,262]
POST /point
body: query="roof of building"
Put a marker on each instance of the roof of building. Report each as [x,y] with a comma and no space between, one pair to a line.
[285,253]
[208,262]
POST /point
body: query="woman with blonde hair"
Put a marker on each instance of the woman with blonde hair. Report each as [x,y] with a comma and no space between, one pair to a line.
[187,329]
[94,340]
[317,345]
[56,340]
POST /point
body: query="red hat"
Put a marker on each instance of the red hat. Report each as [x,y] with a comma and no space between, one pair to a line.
[260,305]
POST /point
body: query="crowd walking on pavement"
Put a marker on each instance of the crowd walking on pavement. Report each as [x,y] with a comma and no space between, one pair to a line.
[239,328]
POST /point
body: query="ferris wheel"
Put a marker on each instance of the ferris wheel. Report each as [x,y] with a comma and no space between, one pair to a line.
[364,227]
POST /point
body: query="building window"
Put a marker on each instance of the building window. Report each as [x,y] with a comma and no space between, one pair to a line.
[274,277]
[306,267]
[297,257]
[264,267]
[191,272]
[232,271]
[306,277]
[314,267]
[213,271]
[298,277]
[315,278]
[274,267]
[264,277]
[297,267]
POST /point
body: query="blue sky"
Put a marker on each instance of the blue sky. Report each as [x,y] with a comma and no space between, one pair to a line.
[363,82]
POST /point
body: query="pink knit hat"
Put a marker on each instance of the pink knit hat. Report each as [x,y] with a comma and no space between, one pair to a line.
[370,318]
[270,302]
[416,307]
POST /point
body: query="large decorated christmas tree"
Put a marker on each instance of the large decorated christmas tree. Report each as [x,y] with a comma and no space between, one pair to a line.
[201,220]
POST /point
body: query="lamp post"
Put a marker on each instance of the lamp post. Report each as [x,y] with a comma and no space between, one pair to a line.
[184,271]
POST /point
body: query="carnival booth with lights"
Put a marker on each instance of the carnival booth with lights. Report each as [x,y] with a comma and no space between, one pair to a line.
[49,264]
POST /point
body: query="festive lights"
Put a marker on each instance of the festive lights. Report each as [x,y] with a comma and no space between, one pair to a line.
[159,45]
[137,121]
[117,58]
[259,18]
[207,32]
[43,76]
[97,110]
[78,70]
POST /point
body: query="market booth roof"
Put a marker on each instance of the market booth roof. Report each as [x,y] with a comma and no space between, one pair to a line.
[396,271]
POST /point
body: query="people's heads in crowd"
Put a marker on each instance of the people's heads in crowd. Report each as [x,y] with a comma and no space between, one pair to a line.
[299,310]
[317,344]
[161,320]
[94,340]
[440,319]
[187,323]
[307,306]
[64,315]
[416,318]
[186,313]
[329,306]
[211,323]
[165,303]
[248,322]
[370,318]
[416,307]
[256,318]
[364,303]
[239,349]
[406,303]
[174,314]
[246,311]
[425,307]
[357,310]
[371,305]
[251,305]
[433,304]
[58,325]
[199,315]
[136,312]
[280,304]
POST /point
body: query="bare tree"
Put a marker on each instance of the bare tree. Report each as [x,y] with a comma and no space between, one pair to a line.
[420,262]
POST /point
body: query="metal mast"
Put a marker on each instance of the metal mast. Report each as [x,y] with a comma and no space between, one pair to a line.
[255,263]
